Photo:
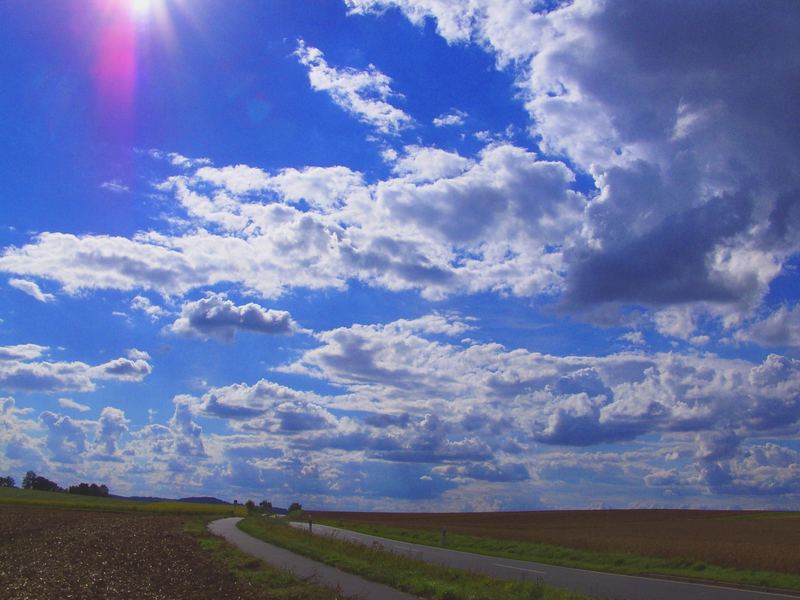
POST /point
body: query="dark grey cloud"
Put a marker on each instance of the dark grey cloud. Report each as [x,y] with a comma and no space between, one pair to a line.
[217,317]
[382,420]
[669,264]
[487,472]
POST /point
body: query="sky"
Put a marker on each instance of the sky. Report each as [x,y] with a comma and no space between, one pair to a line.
[403,254]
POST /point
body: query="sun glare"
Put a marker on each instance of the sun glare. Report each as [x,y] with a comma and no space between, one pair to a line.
[142,8]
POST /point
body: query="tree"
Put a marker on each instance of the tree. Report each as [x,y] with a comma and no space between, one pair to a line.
[33,481]
[7,482]
[27,482]
[295,507]
[250,506]
[266,506]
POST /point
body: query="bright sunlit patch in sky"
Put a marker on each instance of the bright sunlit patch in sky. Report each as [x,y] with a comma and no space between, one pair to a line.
[142,8]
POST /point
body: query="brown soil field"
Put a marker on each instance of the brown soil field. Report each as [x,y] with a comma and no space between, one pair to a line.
[51,553]
[742,540]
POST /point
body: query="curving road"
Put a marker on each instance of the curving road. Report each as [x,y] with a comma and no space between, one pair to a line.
[593,583]
[349,585]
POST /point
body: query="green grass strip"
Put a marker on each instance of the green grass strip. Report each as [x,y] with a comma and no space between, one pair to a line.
[415,577]
[610,562]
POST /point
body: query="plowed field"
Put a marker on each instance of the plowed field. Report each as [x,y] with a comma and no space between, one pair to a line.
[741,540]
[50,553]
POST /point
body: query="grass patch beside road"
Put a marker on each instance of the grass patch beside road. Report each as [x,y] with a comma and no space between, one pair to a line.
[611,562]
[425,580]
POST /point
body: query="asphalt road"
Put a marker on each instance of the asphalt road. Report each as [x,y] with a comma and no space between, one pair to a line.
[349,585]
[593,583]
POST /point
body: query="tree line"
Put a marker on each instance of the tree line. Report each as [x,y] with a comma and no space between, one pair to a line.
[32,481]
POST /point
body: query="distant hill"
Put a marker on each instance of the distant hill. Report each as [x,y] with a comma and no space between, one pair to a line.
[203,500]
[141,498]
[191,500]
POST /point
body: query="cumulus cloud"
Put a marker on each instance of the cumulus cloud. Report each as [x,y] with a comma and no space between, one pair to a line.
[136,354]
[780,328]
[362,93]
[216,316]
[240,401]
[19,370]
[123,369]
[153,311]
[668,229]
[634,337]
[451,118]
[22,352]
[31,288]
[111,425]
[420,164]
[670,226]
[66,439]
[550,399]
[442,224]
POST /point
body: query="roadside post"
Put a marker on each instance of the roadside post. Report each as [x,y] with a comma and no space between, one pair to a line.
[309,525]
[444,536]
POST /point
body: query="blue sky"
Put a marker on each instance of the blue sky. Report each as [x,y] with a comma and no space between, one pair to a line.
[403,254]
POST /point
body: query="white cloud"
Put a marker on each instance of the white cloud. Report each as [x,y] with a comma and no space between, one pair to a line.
[670,226]
[238,179]
[676,322]
[143,304]
[445,224]
[115,186]
[216,316]
[240,401]
[111,425]
[362,93]
[66,438]
[558,400]
[22,352]
[509,28]
[780,328]
[122,369]
[450,119]
[135,354]
[20,370]
[179,160]
[31,288]
[634,337]
[69,403]
[420,164]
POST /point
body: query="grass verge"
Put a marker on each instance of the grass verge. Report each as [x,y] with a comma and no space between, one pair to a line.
[421,579]
[611,562]
[274,583]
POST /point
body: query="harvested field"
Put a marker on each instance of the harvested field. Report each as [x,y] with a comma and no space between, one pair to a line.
[52,553]
[740,540]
